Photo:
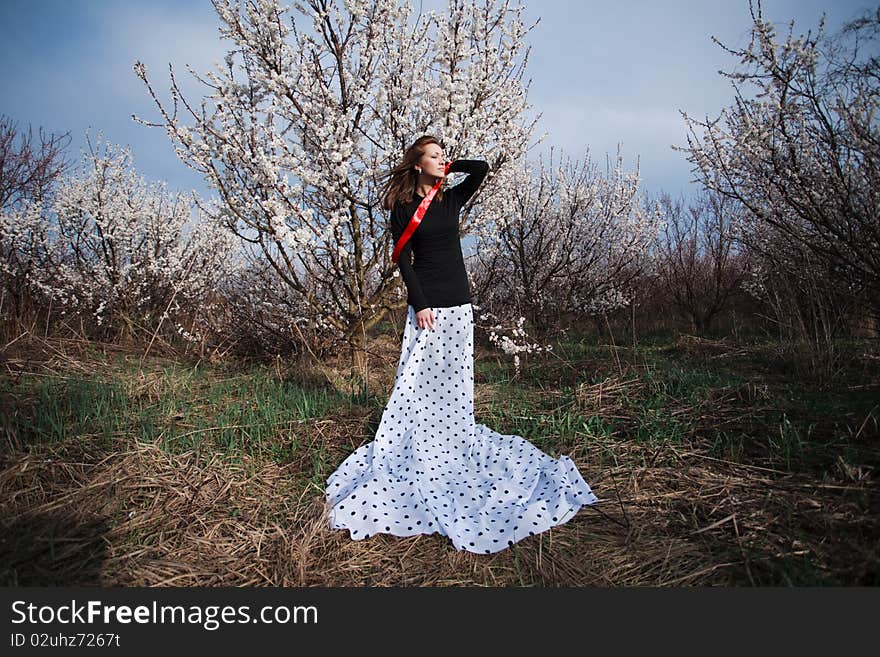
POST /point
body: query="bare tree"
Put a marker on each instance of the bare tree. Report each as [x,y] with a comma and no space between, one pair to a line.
[808,311]
[699,263]
[27,172]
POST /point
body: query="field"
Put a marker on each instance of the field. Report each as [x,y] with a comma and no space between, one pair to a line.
[718,462]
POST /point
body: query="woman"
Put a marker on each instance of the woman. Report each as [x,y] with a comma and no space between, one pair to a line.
[431,468]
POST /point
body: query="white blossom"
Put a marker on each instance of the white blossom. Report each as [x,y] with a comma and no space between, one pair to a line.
[297,142]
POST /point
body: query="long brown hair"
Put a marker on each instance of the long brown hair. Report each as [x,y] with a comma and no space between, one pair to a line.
[403,178]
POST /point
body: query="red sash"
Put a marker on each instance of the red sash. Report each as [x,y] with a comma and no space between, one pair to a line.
[417,216]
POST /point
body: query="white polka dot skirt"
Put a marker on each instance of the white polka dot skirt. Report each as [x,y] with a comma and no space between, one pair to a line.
[433,469]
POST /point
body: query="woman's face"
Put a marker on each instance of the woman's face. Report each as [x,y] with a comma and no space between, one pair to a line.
[433,162]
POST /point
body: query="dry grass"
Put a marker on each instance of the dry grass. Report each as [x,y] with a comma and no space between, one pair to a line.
[142,517]
[132,514]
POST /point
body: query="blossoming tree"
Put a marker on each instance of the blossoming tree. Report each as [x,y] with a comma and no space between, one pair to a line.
[801,153]
[298,146]
[28,173]
[566,241]
[120,254]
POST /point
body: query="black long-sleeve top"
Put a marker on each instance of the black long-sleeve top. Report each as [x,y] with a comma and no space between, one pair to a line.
[437,277]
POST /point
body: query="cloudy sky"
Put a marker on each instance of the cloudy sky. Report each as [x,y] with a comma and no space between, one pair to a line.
[603,73]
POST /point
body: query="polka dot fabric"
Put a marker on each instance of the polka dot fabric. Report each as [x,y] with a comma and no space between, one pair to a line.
[433,469]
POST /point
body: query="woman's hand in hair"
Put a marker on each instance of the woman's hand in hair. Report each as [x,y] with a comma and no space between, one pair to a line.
[425,318]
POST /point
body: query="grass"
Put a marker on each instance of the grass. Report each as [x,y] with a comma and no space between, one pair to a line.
[183,408]
[717,463]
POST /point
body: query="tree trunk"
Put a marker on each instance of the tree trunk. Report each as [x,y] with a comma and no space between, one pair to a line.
[700,324]
[358,353]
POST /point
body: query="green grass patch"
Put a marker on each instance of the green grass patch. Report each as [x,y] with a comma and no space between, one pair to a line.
[184,408]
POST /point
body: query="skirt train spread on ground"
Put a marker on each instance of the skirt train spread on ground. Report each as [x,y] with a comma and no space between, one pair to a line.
[432,469]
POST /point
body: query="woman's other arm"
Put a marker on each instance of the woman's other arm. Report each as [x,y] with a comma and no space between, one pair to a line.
[399,222]
[476,170]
